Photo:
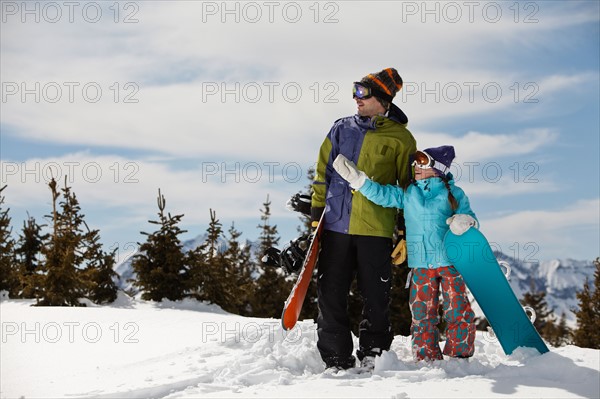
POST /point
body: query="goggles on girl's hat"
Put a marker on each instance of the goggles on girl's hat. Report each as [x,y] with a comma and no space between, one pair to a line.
[423,160]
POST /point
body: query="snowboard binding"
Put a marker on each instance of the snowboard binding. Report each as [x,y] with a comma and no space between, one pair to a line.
[300,203]
[291,257]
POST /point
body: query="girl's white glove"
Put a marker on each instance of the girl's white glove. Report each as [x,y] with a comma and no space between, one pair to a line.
[461,222]
[348,170]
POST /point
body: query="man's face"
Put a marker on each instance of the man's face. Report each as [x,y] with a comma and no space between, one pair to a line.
[369,107]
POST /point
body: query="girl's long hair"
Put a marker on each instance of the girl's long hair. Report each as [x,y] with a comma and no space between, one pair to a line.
[451,199]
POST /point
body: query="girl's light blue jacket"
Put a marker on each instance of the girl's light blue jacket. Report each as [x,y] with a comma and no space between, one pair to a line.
[426,208]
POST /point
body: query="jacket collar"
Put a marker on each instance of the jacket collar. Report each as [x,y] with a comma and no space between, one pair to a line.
[397,115]
[432,184]
[394,113]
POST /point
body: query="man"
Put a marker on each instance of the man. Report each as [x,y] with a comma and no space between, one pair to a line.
[357,237]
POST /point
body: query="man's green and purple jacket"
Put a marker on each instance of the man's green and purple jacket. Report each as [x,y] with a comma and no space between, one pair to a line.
[380,146]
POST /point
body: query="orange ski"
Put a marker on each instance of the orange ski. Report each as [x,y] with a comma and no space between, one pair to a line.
[293,305]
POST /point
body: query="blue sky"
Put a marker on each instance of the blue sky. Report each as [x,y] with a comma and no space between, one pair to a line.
[221,104]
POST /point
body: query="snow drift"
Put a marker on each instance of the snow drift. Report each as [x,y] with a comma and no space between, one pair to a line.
[187,349]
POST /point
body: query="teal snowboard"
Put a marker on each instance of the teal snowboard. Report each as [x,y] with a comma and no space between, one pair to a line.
[472,256]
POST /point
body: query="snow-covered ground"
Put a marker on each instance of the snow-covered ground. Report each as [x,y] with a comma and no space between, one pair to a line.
[138,349]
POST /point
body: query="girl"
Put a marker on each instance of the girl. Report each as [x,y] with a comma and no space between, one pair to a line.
[432,204]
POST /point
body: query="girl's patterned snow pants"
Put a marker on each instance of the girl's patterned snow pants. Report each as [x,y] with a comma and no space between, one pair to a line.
[424,305]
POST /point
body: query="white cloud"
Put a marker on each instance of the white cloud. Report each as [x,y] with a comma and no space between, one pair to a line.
[504,185]
[498,165]
[234,189]
[479,146]
[175,53]
[559,233]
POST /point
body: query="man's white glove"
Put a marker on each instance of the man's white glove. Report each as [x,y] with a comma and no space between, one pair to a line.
[460,223]
[347,169]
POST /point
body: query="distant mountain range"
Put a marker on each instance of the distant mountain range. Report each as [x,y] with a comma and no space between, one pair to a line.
[560,279]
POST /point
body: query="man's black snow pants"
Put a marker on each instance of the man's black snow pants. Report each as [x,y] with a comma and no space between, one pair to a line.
[342,258]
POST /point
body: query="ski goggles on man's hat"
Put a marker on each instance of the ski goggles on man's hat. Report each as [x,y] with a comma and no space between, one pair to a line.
[360,91]
[423,160]
[365,92]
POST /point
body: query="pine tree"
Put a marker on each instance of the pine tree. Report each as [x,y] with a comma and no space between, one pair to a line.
[99,274]
[238,259]
[544,320]
[272,287]
[8,272]
[161,266]
[268,234]
[28,251]
[560,334]
[587,334]
[213,280]
[196,261]
[61,281]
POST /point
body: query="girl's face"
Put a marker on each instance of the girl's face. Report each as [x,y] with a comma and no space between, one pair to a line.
[424,173]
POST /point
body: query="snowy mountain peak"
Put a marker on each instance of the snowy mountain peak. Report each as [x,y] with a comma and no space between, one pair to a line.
[561,279]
